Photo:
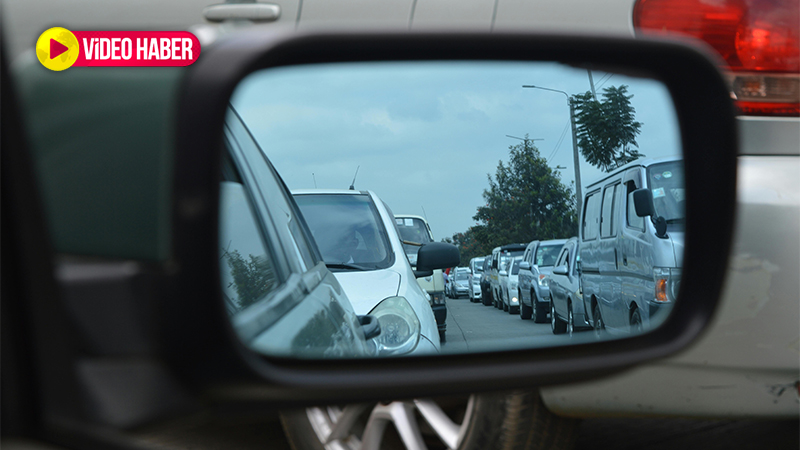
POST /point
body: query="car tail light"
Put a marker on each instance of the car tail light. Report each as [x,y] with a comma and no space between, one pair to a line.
[758,39]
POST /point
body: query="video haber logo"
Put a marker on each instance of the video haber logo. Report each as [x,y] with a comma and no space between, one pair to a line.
[59,49]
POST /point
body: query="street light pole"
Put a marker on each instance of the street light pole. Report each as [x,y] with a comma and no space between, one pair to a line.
[575,156]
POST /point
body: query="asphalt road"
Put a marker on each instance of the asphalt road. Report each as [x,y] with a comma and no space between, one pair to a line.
[472,326]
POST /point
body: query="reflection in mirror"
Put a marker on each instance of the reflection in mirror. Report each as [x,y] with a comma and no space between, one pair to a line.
[563,202]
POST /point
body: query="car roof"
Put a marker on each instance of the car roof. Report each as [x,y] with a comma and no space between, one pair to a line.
[329,191]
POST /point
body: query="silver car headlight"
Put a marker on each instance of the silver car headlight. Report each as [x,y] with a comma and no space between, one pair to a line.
[400,327]
[544,281]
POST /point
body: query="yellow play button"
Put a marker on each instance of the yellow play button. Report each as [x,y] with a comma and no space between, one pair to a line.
[57,49]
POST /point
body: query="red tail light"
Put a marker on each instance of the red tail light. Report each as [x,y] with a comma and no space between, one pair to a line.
[758,39]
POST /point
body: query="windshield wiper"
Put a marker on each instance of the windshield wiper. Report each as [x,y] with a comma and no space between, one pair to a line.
[345,266]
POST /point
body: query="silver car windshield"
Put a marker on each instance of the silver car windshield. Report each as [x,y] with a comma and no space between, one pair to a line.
[348,230]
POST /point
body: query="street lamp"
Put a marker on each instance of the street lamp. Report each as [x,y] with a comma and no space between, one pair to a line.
[574,143]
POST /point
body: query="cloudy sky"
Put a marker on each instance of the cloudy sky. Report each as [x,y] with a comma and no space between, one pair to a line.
[425,135]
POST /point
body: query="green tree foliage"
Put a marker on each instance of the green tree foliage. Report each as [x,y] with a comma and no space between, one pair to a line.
[607,129]
[525,201]
[471,243]
[252,279]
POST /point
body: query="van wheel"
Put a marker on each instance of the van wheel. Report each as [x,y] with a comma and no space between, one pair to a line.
[518,420]
[636,322]
[556,324]
[525,312]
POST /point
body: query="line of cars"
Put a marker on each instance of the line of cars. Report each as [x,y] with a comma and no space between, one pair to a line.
[621,274]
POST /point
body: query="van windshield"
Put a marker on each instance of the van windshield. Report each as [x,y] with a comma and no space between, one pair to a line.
[666,183]
[414,230]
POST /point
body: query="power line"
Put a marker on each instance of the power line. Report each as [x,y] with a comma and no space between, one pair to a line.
[558,144]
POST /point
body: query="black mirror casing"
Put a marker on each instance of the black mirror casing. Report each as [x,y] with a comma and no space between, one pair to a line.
[437,255]
[196,336]
[643,202]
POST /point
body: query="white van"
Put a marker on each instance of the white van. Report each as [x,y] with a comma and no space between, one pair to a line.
[631,252]
[416,229]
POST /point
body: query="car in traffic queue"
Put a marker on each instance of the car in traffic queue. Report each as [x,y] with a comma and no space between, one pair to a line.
[475,272]
[416,229]
[459,280]
[356,234]
[567,313]
[509,279]
[537,262]
[500,257]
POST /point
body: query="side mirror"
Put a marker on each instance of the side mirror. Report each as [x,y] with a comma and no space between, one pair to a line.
[525,265]
[502,273]
[643,202]
[560,270]
[437,255]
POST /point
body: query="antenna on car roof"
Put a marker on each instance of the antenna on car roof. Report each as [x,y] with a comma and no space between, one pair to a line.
[353,184]
[315,179]
[424,213]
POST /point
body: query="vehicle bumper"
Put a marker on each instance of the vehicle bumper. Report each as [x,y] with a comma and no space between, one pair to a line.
[542,294]
[440,313]
[476,292]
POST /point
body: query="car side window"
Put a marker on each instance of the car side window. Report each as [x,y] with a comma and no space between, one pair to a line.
[247,267]
[591,216]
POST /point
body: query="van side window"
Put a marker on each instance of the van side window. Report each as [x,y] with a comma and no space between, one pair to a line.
[591,216]
[634,221]
[607,228]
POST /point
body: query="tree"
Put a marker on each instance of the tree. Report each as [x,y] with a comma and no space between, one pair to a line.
[471,243]
[526,200]
[607,130]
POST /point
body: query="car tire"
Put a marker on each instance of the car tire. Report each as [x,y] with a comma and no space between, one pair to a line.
[518,420]
[539,313]
[598,324]
[525,311]
[570,320]
[556,324]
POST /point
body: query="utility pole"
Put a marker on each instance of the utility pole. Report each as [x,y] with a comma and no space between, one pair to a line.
[575,155]
[591,83]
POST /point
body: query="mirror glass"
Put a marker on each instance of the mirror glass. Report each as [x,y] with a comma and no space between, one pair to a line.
[559,188]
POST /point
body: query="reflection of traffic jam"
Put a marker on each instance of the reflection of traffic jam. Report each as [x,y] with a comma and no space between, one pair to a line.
[381,289]
[620,275]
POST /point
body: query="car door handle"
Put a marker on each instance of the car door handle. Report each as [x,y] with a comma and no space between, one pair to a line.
[370,326]
[624,259]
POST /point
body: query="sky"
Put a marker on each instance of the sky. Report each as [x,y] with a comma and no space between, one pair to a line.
[424,135]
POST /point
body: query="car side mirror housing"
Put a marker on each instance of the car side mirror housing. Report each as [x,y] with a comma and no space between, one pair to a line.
[502,273]
[525,265]
[703,111]
[560,270]
[437,255]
